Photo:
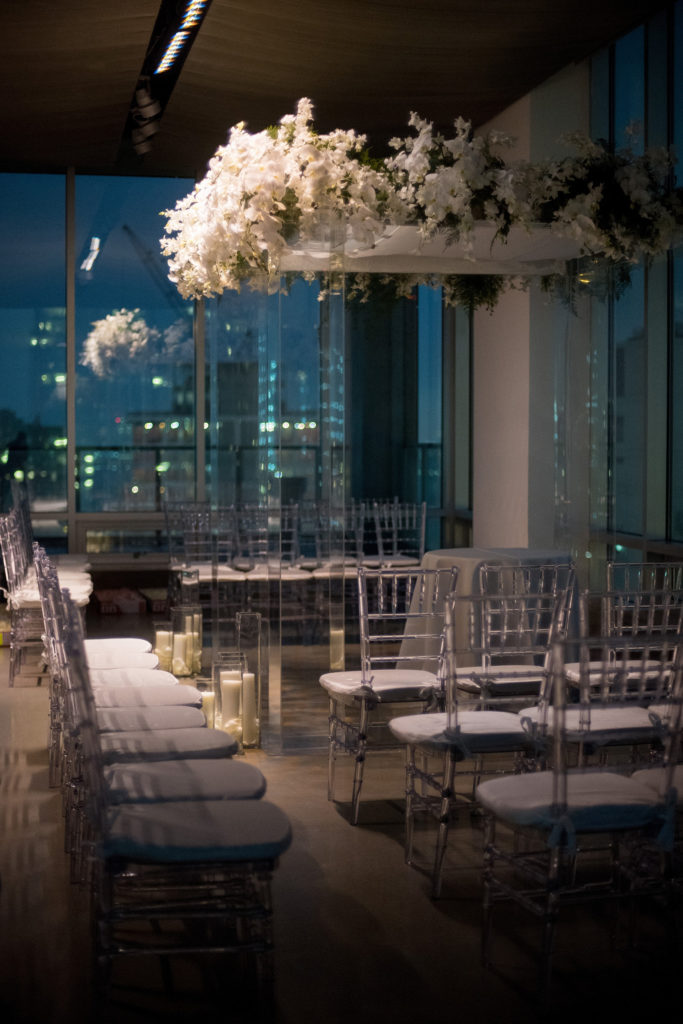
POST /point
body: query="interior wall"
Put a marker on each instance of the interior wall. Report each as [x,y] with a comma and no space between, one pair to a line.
[519,464]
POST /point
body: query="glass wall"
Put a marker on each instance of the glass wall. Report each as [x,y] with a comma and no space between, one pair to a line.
[636,347]
[676,391]
[99,413]
[135,357]
[33,408]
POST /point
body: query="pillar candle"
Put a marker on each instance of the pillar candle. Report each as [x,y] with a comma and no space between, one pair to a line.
[197,632]
[163,648]
[209,707]
[180,655]
[231,692]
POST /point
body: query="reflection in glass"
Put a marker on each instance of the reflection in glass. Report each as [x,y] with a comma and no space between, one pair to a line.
[33,338]
[629,91]
[629,391]
[677,405]
[135,401]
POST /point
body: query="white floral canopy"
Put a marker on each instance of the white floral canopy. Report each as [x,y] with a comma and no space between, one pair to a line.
[290,200]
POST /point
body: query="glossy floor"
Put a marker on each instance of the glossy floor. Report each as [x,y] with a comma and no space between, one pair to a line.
[357,936]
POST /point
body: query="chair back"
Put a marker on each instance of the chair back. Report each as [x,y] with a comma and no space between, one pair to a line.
[197,537]
[508,632]
[175,515]
[20,504]
[401,617]
[518,611]
[615,674]
[632,576]
[82,719]
[634,613]
[400,530]
[14,552]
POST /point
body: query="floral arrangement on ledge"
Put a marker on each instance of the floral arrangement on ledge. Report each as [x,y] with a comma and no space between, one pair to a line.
[265,191]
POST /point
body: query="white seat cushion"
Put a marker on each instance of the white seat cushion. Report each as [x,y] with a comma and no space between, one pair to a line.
[596,801]
[166,745]
[572,670]
[114,658]
[478,731]
[140,719]
[608,724]
[178,695]
[389,684]
[156,781]
[335,570]
[220,830]
[75,562]
[654,776]
[501,680]
[131,677]
[117,643]
[227,573]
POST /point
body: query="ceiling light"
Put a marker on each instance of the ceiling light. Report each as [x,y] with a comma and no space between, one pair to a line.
[189,24]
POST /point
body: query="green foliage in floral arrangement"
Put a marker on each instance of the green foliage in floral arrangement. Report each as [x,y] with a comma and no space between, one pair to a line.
[595,278]
[617,205]
[474,291]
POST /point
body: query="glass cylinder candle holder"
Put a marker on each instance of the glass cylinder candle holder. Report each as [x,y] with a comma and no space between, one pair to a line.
[187,639]
[252,646]
[228,674]
[188,587]
[163,644]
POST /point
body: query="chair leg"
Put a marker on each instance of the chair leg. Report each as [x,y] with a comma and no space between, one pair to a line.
[332,751]
[410,810]
[360,761]
[444,823]
[550,920]
[487,906]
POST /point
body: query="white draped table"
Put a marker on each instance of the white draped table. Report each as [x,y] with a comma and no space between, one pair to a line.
[467,562]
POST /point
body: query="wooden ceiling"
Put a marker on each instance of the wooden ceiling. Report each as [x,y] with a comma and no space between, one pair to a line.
[70,70]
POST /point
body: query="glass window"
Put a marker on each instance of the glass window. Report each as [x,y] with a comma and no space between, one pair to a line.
[235,328]
[629,391]
[629,90]
[429,404]
[676,470]
[33,338]
[135,386]
[678,87]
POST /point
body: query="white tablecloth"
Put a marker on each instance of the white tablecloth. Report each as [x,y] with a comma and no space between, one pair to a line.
[467,561]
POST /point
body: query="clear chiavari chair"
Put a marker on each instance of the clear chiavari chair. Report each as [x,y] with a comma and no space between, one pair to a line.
[400,531]
[576,833]
[192,876]
[401,613]
[623,723]
[474,736]
[510,622]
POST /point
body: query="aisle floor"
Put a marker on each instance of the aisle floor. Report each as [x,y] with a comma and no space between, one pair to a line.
[357,936]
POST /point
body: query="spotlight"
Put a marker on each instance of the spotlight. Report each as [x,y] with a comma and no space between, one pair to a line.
[147,107]
[142,147]
[144,130]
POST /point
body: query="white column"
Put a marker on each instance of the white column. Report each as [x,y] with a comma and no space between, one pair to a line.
[500,420]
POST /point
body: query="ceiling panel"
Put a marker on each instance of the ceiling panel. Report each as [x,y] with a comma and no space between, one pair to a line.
[70,70]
